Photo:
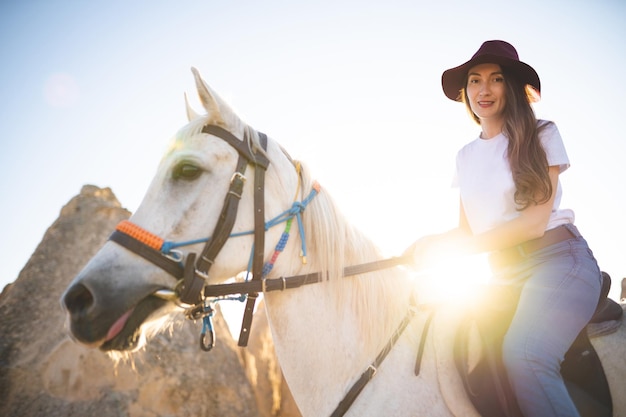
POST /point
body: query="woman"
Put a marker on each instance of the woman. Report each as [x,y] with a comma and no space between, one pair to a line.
[508,180]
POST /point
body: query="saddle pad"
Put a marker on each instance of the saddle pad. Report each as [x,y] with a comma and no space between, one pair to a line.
[602,329]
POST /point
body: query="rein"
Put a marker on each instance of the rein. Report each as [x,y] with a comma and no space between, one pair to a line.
[192,288]
[296,281]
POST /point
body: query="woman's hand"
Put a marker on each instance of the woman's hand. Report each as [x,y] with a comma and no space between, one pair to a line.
[422,251]
[429,251]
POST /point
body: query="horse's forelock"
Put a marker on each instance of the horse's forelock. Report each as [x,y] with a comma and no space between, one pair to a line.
[191,129]
[253,141]
[239,129]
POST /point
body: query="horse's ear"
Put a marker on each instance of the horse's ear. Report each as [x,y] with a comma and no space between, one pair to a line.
[207,98]
[191,114]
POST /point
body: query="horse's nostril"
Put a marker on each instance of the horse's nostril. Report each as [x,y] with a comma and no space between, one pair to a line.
[78,299]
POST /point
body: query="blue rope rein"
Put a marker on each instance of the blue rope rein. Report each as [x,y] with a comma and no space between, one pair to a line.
[296,211]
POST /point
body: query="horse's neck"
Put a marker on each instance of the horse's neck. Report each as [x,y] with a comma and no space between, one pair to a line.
[314,348]
[321,345]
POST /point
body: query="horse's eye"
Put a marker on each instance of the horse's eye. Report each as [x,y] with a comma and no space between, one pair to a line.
[186,171]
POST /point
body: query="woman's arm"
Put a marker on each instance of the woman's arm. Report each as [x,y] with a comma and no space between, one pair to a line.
[530,224]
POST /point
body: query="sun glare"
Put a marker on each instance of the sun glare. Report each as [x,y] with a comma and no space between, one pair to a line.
[455,280]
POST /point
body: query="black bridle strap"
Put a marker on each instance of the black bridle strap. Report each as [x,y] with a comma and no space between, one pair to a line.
[193,283]
[259,246]
[240,146]
[285,283]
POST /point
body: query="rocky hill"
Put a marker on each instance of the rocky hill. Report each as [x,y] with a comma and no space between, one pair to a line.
[43,373]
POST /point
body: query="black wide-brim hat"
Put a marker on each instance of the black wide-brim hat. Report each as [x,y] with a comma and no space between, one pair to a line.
[490,52]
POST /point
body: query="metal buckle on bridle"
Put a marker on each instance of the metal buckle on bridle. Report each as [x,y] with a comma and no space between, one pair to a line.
[237,176]
[205,312]
[175,255]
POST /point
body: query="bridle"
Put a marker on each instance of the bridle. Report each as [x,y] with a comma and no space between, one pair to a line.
[192,289]
[195,273]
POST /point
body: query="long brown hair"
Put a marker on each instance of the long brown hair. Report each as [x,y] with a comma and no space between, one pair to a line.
[527,158]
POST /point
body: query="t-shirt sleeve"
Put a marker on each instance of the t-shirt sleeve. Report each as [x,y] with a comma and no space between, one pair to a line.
[554,146]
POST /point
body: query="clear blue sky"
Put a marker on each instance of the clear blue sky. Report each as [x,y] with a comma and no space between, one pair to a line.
[92,91]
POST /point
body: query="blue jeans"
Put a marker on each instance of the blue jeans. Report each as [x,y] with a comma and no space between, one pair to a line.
[560,289]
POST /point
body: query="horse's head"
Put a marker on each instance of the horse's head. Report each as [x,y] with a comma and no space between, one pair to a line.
[118,293]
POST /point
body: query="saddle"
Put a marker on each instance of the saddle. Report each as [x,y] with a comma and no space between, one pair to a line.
[486,383]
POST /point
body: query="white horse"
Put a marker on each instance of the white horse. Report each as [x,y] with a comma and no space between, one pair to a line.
[326,335]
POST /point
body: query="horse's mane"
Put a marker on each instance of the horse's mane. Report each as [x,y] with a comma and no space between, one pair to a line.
[335,243]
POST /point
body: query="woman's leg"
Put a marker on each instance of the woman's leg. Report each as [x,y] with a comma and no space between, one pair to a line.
[558,299]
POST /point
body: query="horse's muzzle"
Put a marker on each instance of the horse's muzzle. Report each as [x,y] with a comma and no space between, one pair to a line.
[109,324]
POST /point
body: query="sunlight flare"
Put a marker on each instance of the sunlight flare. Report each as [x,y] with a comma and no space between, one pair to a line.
[453,280]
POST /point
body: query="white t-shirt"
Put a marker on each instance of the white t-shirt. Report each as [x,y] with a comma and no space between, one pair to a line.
[486,186]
